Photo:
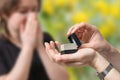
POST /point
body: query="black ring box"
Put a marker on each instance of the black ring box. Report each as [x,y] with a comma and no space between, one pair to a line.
[71,47]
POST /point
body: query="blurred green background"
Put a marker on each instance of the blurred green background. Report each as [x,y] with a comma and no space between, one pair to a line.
[57,16]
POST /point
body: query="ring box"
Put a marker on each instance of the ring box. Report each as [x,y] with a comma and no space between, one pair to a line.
[71,47]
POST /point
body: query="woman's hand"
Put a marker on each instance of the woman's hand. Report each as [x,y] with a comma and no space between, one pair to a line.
[91,37]
[28,37]
[82,57]
[40,38]
[28,31]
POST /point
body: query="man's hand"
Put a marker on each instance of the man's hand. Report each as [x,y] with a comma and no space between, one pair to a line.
[90,36]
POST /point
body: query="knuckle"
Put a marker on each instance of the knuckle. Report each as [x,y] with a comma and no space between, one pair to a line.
[83,23]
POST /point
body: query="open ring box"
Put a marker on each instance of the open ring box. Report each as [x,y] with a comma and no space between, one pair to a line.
[71,47]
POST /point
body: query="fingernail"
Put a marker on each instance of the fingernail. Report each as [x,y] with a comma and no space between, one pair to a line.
[51,42]
[46,43]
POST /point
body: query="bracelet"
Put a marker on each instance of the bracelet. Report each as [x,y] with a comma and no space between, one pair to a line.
[105,72]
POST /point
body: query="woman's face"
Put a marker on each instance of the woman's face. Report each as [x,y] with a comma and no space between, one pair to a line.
[20,15]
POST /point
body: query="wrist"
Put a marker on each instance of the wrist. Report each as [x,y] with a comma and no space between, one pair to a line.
[109,51]
[41,48]
[104,74]
[99,63]
[28,47]
[28,44]
[105,49]
[39,43]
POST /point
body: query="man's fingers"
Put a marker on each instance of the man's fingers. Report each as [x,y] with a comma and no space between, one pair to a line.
[81,27]
[58,44]
[51,52]
[49,49]
[52,44]
[70,31]
[66,58]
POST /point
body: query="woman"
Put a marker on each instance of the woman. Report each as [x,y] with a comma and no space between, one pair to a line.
[95,52]
[22,54]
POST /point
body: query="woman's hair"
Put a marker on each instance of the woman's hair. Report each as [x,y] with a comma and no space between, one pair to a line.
[6,7]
